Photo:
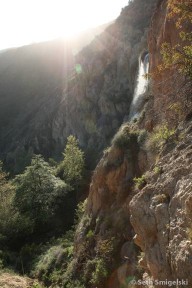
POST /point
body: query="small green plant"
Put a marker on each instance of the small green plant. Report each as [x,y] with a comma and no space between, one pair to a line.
[90,234]
[160,136]
[142,136]
[100,272]
[37,285]
[157,170]
[140,182]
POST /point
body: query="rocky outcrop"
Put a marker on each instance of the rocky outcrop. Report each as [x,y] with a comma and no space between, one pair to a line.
[98,96]
[161,214]
[170,90]
[104,234]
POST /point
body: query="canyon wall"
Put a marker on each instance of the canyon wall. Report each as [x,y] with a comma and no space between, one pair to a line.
[47,94]
[140,195]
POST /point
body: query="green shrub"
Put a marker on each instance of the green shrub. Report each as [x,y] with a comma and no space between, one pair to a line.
[39,192]
[100,271]
[90,234]
[72,167]
[142,136]
[160,136]
[158,170]
[12,223]
[140,182]
[125,136]
[50,266]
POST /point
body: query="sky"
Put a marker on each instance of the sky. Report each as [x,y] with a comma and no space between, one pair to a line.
[27,21]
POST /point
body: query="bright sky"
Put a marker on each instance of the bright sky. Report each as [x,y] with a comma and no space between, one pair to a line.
[26,21]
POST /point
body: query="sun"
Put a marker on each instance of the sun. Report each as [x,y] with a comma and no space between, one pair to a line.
[23,22]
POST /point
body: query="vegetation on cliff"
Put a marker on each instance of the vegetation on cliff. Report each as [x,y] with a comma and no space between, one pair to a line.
[142,180]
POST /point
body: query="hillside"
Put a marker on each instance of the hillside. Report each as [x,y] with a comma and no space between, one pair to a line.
[126,104]
[47,99]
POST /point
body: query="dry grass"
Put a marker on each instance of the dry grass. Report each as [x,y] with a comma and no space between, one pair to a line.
[8,280]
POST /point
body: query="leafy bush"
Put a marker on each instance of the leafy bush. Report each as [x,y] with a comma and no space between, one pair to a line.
[157,170]
[72,166]
[160,136]
[12,223]
[140,182]
[38,191]
[96,270]
[125,136]
[51,264]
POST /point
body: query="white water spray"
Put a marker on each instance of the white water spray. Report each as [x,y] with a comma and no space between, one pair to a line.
[141,87]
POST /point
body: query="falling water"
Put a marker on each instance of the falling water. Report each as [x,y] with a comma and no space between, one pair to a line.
[141,87]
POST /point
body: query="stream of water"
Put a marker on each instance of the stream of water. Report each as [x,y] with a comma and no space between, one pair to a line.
[141,87]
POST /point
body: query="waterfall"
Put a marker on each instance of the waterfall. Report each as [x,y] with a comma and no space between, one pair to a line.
[141,87]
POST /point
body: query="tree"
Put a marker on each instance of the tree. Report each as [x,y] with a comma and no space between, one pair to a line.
[12,224]
[7,212]
[180,55]
[73,162]
[38,191]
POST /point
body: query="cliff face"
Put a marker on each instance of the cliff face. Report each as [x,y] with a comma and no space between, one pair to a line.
[97,98]
[170,99]
[161,211]
[161,214]
[107,216]
[155,214]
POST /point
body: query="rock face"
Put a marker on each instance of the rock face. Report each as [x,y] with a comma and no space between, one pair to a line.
[107,217]
[170,99]
[159,210]
[98,96]
[161,214]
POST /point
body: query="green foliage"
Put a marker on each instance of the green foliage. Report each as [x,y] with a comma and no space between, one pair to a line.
[160,136]
[72,165]
[177,56]
[56,265]
[98,270]
[182,11]
[38,191]
[37,285]
[180,55]
[125,136]
[90,234]
[12,224]
[142,136]
[80,211]
[98,267]
[140,181]
[52,263]
[157,170]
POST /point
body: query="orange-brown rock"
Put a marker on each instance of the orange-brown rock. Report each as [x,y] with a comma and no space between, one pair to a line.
[169,100]
[161,215]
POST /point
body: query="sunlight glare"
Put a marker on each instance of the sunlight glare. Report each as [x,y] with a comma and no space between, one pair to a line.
[24,22]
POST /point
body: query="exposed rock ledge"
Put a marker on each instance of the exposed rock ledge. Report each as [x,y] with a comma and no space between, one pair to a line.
[161,215]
